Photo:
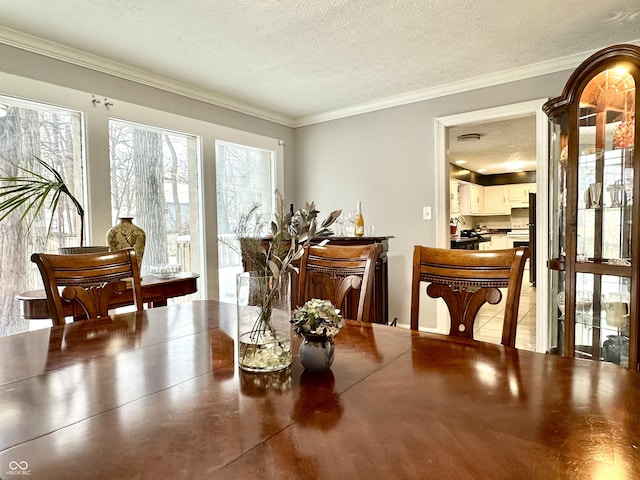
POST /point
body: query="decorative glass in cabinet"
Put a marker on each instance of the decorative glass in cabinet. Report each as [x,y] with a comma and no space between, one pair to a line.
[594,264]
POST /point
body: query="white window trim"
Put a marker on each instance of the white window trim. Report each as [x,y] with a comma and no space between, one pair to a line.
[96,124]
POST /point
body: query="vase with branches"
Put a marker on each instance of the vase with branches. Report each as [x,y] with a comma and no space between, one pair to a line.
[264,305]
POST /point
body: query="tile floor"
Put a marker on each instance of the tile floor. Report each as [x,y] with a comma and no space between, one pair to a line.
[488,326]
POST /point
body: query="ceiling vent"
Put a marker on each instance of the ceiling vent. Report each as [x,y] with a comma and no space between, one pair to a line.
[468,137]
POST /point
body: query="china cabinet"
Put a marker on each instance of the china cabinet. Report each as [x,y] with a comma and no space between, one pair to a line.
[594,210]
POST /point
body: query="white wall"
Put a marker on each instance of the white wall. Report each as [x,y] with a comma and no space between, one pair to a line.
[386,159]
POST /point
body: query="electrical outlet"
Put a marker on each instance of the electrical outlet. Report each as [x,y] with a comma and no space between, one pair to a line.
[426,213]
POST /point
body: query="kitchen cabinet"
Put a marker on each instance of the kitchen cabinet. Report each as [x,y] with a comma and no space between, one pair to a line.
[490,200]
[485,246]
[594,210]
[498,242]
[495,200]
[519,194]
[471,199]
[454,200]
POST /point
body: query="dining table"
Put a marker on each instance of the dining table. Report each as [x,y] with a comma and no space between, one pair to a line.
[155,291]
[157,394]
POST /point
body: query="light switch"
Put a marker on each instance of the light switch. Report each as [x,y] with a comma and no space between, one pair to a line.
[426,213]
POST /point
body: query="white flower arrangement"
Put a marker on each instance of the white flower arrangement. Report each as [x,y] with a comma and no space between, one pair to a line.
[317,317]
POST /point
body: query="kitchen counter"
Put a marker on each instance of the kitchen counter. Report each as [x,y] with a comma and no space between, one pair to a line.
[468,243]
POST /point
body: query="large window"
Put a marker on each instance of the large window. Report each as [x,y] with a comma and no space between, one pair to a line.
[124,159]
[55,135]
[154,178]
[244,176]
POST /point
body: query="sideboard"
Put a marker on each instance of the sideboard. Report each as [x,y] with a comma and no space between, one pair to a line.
[380,303]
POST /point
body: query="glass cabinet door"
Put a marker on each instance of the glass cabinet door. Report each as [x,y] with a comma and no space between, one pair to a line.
[592,184]
[557,224]
[605,171]
[603,226]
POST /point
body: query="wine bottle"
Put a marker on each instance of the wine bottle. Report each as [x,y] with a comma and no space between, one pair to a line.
[358,225]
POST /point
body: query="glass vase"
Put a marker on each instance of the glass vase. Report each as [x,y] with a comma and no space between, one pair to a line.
[595,189]
[264,328]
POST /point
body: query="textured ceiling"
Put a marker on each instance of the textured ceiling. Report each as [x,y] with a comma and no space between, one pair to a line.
[504,146]
[304,58]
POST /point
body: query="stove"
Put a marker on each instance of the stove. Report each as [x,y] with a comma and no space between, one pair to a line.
[518,235]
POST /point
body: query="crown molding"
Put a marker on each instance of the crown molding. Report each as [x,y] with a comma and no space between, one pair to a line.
[506,76]
[57,51]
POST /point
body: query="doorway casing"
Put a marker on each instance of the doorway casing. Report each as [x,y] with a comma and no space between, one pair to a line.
[533,107]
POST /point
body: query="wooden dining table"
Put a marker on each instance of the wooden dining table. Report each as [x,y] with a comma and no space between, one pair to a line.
[155,293]
[157,395]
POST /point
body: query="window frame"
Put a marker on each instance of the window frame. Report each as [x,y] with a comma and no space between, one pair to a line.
[97,111]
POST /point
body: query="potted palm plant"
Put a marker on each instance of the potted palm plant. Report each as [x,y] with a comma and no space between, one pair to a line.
[32,191]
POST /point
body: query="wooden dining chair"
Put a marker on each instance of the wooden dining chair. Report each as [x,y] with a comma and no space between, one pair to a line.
[87,282]
[466,280]
[337,273]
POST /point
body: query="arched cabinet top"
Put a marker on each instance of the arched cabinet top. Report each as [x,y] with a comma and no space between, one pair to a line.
[606,58]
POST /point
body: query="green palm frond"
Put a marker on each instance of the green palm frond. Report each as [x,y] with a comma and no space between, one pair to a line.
[31,191]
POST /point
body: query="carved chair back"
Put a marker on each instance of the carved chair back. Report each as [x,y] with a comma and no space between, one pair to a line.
[466,280]
[87,282]
[340,273]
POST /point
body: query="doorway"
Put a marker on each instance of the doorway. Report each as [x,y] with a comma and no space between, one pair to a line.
[442,193]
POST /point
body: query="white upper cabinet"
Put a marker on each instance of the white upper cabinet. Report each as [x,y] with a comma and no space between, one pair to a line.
[454,200]
[496,201]
[471,199]
[489,200]
[519,194]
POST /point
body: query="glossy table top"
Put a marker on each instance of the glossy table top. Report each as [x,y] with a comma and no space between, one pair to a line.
[157,394]
[155,291]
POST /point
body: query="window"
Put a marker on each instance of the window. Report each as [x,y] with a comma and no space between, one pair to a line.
[244,176]
[163,177]
[56,136]
[154,178]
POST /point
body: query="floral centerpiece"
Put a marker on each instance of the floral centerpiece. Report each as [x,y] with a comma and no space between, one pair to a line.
[264,303]
[318,321]
[319,318]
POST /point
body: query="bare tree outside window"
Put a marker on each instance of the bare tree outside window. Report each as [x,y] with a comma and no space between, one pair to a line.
[151,170]
[31,129]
